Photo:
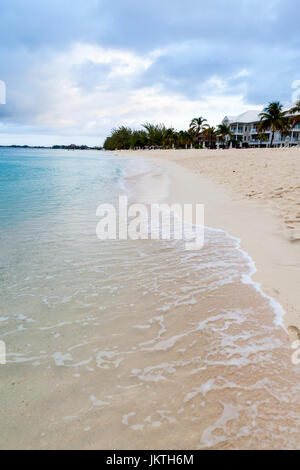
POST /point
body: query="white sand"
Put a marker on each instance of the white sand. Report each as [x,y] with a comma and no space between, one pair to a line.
[142,354]
[254,195]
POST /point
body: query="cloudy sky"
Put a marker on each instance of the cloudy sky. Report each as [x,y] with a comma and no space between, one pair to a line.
[74,69]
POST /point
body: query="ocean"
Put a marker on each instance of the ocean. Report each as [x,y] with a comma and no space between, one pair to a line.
[130,344]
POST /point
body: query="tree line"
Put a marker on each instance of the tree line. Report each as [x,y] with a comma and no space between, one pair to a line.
[151,135]
[272,119]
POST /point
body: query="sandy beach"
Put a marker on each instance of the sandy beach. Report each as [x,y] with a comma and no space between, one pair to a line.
[254,195]
[142,344]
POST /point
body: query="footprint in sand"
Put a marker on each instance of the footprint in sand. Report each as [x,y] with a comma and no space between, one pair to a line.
[294,332]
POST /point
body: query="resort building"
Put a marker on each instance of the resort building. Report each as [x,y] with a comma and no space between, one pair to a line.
[244,129]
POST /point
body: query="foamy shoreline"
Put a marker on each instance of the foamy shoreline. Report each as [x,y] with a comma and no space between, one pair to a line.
[157,346]
[248,203]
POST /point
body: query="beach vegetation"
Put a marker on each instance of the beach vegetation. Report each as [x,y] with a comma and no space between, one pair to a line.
[295,110]
[224,132]
[120,138]
[197,126]
[210,134]
[159,136]
[273,119]
[150,136]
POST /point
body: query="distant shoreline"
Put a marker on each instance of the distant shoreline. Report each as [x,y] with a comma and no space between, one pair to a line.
[53,147]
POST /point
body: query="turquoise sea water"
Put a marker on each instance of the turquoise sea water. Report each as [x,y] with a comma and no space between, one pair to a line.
[37,182]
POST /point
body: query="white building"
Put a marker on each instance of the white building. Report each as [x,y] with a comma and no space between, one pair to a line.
[244,129]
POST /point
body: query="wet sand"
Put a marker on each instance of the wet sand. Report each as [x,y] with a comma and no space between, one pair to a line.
[144,345]
[255,196]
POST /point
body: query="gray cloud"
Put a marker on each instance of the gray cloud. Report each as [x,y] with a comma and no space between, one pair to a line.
[248,48]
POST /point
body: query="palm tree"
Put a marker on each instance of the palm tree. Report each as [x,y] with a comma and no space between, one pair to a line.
[262,137]
[210,133]
[295,110]
[274,119]
[184,138]
[224,131]
[156,133]
[196,126]
[169,138]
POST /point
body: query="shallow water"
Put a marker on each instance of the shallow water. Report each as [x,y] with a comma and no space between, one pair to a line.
[129,344]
